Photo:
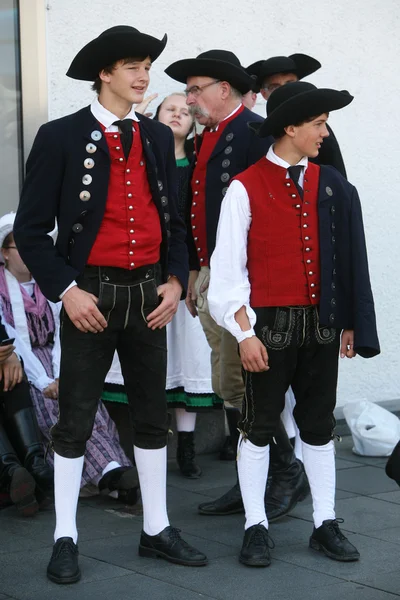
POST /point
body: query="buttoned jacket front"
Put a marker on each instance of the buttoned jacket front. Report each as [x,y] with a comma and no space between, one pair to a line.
[238,148]
[64,153]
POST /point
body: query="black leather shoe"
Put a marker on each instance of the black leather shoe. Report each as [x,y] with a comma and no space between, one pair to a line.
[169,545]
[255,548]
[230,503]
[63,566]
[330,540]
[124,480]
[286,488]
[185,455]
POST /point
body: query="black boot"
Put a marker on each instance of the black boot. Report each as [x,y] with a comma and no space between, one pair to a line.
[26,437]
[332,542]
[288,483]
[185,455]
[16,480]
[231,502]
[123,480]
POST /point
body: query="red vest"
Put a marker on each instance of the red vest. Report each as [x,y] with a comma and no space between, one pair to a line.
[198,211]
[283,241]
[130,232]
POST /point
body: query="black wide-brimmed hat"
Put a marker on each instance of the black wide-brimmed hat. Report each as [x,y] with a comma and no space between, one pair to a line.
[112,45]
[295,102]
[221,64]
[299,64]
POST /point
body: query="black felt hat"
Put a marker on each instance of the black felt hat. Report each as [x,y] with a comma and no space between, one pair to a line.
[299,64]
[112,45]
[298,101]
[221,64]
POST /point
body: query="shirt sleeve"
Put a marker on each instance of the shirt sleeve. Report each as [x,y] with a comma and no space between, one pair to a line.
[229,282]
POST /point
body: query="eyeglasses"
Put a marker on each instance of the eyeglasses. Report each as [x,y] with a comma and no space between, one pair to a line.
[196,90]
[271,87]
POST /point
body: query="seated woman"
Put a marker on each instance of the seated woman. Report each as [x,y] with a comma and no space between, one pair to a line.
[25,478]
[34,323]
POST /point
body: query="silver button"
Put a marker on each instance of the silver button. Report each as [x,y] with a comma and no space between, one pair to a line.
[228,150]
[132,220]
[194,204]
[193,216]
[87,179]
[202,260]
[305,214]
[329,191]
[229,137]
[310,273]
[164,200]
[309,261]
[132,231]
[196,193]
[294,195]
[225,177]
[118,147]
[224,190]
[130,207]
[128,183]
[91,148]
[288,184]
[133,242]
[129,195]
[160,185]
[308,249]
[96,135]
[297,205]
[312,284]
[127,171]
[166,217]
[196,239]
[307,238]
[193,226]
[305,225]
[115,136]
[313,296]
[132,264]
[130,253]
[198,249]
[141,163]
[88,163]
[84,196]
[225,163]
[197,181]
[121,159]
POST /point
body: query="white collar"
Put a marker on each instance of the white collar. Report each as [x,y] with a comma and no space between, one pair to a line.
[272,157]
[228,117]
[106,118]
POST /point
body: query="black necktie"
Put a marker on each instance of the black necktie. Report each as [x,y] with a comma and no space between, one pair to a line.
[125,127]
[295,173]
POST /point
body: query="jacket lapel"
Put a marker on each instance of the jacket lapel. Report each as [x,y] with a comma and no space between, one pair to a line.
[225,140]
[93,133]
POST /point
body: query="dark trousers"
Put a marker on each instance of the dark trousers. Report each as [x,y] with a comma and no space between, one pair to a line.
[301,354]
[126,298]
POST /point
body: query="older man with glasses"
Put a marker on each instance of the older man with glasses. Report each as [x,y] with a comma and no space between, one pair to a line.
[215,85]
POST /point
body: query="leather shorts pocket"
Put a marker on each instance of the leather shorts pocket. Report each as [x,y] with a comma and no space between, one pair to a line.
[150,298]
[275,340]
[107,299]
[325,335]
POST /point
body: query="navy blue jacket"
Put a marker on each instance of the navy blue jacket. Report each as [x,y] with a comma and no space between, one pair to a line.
[346,296]
[52,189]
[238,148]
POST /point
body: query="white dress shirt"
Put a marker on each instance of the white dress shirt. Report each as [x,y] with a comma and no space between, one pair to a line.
[106,118]
[229,288]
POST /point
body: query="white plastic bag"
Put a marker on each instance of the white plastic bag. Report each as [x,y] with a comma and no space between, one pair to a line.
[374,429]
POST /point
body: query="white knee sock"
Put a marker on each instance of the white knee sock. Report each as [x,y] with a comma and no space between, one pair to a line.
[185,421]
[67,483]
[253,463]
[152,469]
[319,464]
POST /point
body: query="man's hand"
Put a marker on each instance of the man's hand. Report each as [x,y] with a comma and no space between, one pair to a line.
[191,295]
[5,352]
[170,293]
[81,307]
[347,344]
[52,390]
[254,355]
[11,372]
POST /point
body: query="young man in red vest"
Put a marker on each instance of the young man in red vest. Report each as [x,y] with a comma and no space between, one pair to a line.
[289,279]
[119,266]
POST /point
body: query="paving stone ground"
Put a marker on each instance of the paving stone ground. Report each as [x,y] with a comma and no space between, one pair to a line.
[367,500]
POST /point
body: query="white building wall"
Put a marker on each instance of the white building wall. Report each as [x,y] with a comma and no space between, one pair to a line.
[358,44]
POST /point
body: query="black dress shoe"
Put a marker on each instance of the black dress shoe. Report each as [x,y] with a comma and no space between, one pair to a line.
[63,566]
[169,545]
[286,488]
[255,548]
[330,540]
[230,503]
[124,480]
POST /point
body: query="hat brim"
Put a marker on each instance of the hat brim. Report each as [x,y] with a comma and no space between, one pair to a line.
[304,106]
[303,65]
[207,67]
[108,49]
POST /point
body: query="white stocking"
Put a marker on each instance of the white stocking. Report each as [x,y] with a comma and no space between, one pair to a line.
[67,483]
[319,464]
[152,470]
[253,464]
